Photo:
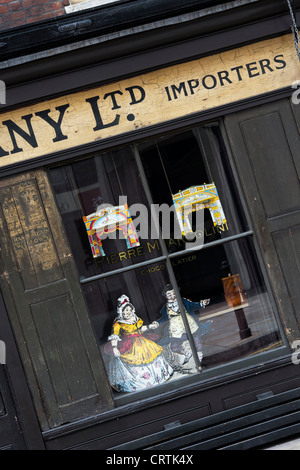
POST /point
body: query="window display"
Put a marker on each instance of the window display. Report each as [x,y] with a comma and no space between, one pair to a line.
[137,361]
[175,337]
[168,298]
[106,221]
[198,198]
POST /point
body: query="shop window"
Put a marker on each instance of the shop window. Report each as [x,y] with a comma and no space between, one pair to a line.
[186,292]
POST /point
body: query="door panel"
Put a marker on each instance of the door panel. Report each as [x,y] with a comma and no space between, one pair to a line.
[265,143]
[46,308]
[287,243]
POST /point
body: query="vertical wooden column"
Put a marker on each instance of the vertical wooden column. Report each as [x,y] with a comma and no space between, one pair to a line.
[265,142]
[47,310]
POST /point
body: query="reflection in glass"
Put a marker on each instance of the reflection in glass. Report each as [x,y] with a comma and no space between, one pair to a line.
[175,339]
[225,307]
[104,180]
[187,164]
[243,321]
[151,338]
[136,361]
[224,312]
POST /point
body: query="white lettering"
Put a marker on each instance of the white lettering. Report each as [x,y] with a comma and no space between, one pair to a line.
[295,355]
[118,460]
[2,352]
[295,95]
[169,459]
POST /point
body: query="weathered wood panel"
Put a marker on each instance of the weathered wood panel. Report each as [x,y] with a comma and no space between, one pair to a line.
[47,310]
[272,162]
[265,143]
[287,244]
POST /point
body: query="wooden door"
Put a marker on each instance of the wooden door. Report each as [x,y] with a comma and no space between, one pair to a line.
[47,311]
[265,143]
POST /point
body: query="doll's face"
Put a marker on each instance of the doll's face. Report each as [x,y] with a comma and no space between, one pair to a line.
[127,313]
[170,295]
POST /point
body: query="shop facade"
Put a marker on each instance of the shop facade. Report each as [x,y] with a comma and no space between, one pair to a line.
[161,176]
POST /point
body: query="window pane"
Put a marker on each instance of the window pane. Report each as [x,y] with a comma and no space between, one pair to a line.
[243,321]
[148,335]
[146,349]
[226,306]
[192,168]
[83,188]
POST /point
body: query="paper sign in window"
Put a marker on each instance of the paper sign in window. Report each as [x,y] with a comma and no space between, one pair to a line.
[109,220]
[196,198]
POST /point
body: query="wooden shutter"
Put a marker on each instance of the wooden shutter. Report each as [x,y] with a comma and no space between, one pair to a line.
[265,142]
[46,307]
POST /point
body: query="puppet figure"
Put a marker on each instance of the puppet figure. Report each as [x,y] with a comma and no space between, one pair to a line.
[136,361]
[175,338]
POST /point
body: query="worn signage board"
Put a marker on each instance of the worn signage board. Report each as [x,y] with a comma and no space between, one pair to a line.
[152,98]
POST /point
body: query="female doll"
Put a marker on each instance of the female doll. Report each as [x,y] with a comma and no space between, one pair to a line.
[136,361]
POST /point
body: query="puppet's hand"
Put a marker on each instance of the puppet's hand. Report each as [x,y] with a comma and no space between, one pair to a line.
[154,325]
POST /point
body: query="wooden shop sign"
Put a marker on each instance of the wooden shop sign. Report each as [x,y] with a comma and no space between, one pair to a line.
[149,99]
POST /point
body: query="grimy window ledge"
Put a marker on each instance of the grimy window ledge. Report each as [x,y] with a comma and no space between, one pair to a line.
[78,5]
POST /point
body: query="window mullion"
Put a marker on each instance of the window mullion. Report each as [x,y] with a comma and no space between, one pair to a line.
[121,270]
[173,281]
[222,241]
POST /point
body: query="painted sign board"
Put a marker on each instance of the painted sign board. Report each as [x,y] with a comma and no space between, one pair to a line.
[151,98]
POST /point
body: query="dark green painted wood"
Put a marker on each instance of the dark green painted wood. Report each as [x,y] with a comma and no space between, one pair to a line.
[268,146]
[287,243]
[265,143]
[45,304]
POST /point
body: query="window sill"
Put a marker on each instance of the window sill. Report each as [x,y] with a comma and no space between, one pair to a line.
[273,360]
[84,5]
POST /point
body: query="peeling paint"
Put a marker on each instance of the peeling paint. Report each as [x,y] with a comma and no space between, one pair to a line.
[152,98]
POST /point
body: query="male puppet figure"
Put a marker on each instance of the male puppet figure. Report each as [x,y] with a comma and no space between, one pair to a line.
[175,339]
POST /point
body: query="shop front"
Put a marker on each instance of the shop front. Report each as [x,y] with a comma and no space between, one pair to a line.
[150,254]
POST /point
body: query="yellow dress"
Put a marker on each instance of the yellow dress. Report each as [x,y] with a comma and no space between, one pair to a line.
[138,349]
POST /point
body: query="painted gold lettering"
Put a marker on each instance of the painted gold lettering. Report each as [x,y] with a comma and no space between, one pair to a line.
[152,247]
[122,255]
[140,250]
[131,253]
[113,258]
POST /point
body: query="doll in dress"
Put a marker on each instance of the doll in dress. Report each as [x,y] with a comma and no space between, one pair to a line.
[136,361]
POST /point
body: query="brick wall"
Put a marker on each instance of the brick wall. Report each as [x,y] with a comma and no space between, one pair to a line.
[14,13]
